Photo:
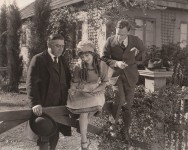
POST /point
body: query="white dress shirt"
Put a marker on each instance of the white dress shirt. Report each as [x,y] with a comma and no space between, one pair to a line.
[52,56]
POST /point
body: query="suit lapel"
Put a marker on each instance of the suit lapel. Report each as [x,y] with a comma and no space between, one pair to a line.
[117,43]
[127,49]
[49,63]
[55,67]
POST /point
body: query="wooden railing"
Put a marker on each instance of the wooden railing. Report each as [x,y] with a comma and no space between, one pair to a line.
[13,118]
[3,68]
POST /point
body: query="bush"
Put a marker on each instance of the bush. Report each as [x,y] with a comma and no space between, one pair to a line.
[63,21]
[38,28]
[4,83]
[15,65]
[156,118]
[173,58]
[3,36]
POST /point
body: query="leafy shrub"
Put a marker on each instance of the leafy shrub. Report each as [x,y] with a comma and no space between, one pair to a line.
[174,58]
[4,82]
[156,118]
[38,27]
[15,65]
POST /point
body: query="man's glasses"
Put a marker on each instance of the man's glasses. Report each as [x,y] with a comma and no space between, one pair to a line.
[58,46]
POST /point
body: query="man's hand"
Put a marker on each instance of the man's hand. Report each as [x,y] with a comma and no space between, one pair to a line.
[37,110]
[136,51]
[121,64]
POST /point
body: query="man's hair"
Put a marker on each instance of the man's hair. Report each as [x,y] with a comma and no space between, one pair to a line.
[122,24]
[56,37]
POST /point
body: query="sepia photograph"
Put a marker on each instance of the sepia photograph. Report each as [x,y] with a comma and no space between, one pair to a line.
[93,74]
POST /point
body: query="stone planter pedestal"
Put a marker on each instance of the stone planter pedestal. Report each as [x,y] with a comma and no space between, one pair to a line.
[155,79]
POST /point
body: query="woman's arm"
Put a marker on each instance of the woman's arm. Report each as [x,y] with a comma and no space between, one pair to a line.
[104,78]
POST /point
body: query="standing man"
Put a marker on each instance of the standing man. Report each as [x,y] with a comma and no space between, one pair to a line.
[48,81]
[121,52]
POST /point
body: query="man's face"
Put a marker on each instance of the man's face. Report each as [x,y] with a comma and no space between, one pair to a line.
[121,33]
[56,47]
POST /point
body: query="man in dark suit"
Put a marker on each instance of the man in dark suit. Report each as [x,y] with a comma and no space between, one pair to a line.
[121,52]
[48,81]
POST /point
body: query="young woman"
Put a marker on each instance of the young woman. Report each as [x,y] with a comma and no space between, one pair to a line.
[86,95]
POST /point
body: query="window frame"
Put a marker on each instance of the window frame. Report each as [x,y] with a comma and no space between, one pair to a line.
[144,29]
[183,22]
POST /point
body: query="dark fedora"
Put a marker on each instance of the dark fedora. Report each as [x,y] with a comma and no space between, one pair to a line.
[43,125]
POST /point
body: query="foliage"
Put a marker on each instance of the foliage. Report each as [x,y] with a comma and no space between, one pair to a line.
[173,58]
[63,21]
[179,63]
[113,10]
[38,27]
[3,28]
[156,118]
[15,66]
[4,84]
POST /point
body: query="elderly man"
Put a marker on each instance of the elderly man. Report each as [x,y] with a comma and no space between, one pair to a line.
[48,81]
[121,52]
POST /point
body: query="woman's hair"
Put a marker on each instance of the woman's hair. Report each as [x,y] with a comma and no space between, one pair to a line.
[95,64]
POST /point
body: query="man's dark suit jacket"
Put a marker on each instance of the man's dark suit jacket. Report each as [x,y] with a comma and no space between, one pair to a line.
[48,85]
[113,52]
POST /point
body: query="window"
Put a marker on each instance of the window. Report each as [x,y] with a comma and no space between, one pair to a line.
[146,31]
[183,35]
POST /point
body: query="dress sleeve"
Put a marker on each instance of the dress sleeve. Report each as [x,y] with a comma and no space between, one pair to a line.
[76,74]
[104,72]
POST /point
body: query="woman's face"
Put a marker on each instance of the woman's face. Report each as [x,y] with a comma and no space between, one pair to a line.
[87,57]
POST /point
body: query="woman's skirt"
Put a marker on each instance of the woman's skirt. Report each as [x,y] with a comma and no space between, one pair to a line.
[82,101]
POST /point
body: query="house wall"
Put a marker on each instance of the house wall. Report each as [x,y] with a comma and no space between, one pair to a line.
[181,17]
[151,14]
[167,28]
[24,48]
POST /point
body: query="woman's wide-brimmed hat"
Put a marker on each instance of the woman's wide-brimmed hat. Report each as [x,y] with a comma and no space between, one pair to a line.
[86,46]
[43,125]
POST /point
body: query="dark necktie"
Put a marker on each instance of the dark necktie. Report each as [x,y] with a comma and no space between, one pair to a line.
[55,60]
[122,45]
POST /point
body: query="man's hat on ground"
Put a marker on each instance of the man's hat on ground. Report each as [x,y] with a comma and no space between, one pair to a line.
[43,125]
